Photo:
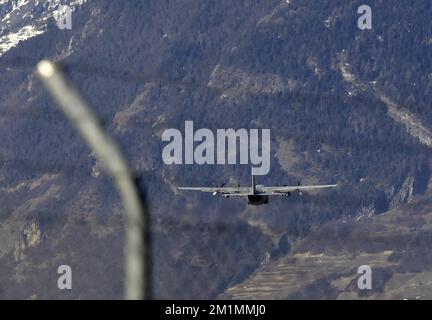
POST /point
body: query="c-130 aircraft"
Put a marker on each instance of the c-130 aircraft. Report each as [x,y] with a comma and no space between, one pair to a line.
[257,194]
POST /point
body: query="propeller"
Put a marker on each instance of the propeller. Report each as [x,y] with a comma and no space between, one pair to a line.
[299,184]
[221,186]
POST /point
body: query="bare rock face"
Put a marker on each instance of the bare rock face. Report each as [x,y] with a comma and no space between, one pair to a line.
[412,123]
[237,84]
[404,195]
[31,236]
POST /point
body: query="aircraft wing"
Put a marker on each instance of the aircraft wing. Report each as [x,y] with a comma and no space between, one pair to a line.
[296,188]
[220,190]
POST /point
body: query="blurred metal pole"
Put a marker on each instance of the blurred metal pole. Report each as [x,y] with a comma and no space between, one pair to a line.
[79,112]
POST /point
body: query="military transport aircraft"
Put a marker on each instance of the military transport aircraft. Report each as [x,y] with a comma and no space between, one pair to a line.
[257,194]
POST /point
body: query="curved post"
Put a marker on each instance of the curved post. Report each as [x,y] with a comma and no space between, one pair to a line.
[89,127]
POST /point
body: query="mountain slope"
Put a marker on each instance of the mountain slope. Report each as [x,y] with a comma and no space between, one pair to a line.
[147,66]
[324,264]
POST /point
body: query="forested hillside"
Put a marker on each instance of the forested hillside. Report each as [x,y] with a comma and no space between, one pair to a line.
[344,106]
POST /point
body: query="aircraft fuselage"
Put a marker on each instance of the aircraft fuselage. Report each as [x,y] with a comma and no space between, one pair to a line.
[257,199]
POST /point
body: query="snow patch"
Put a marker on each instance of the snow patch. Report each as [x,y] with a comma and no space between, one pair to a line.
[11,40]
[21,20]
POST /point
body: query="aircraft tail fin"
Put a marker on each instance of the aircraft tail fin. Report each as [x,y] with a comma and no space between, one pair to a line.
[253,183]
